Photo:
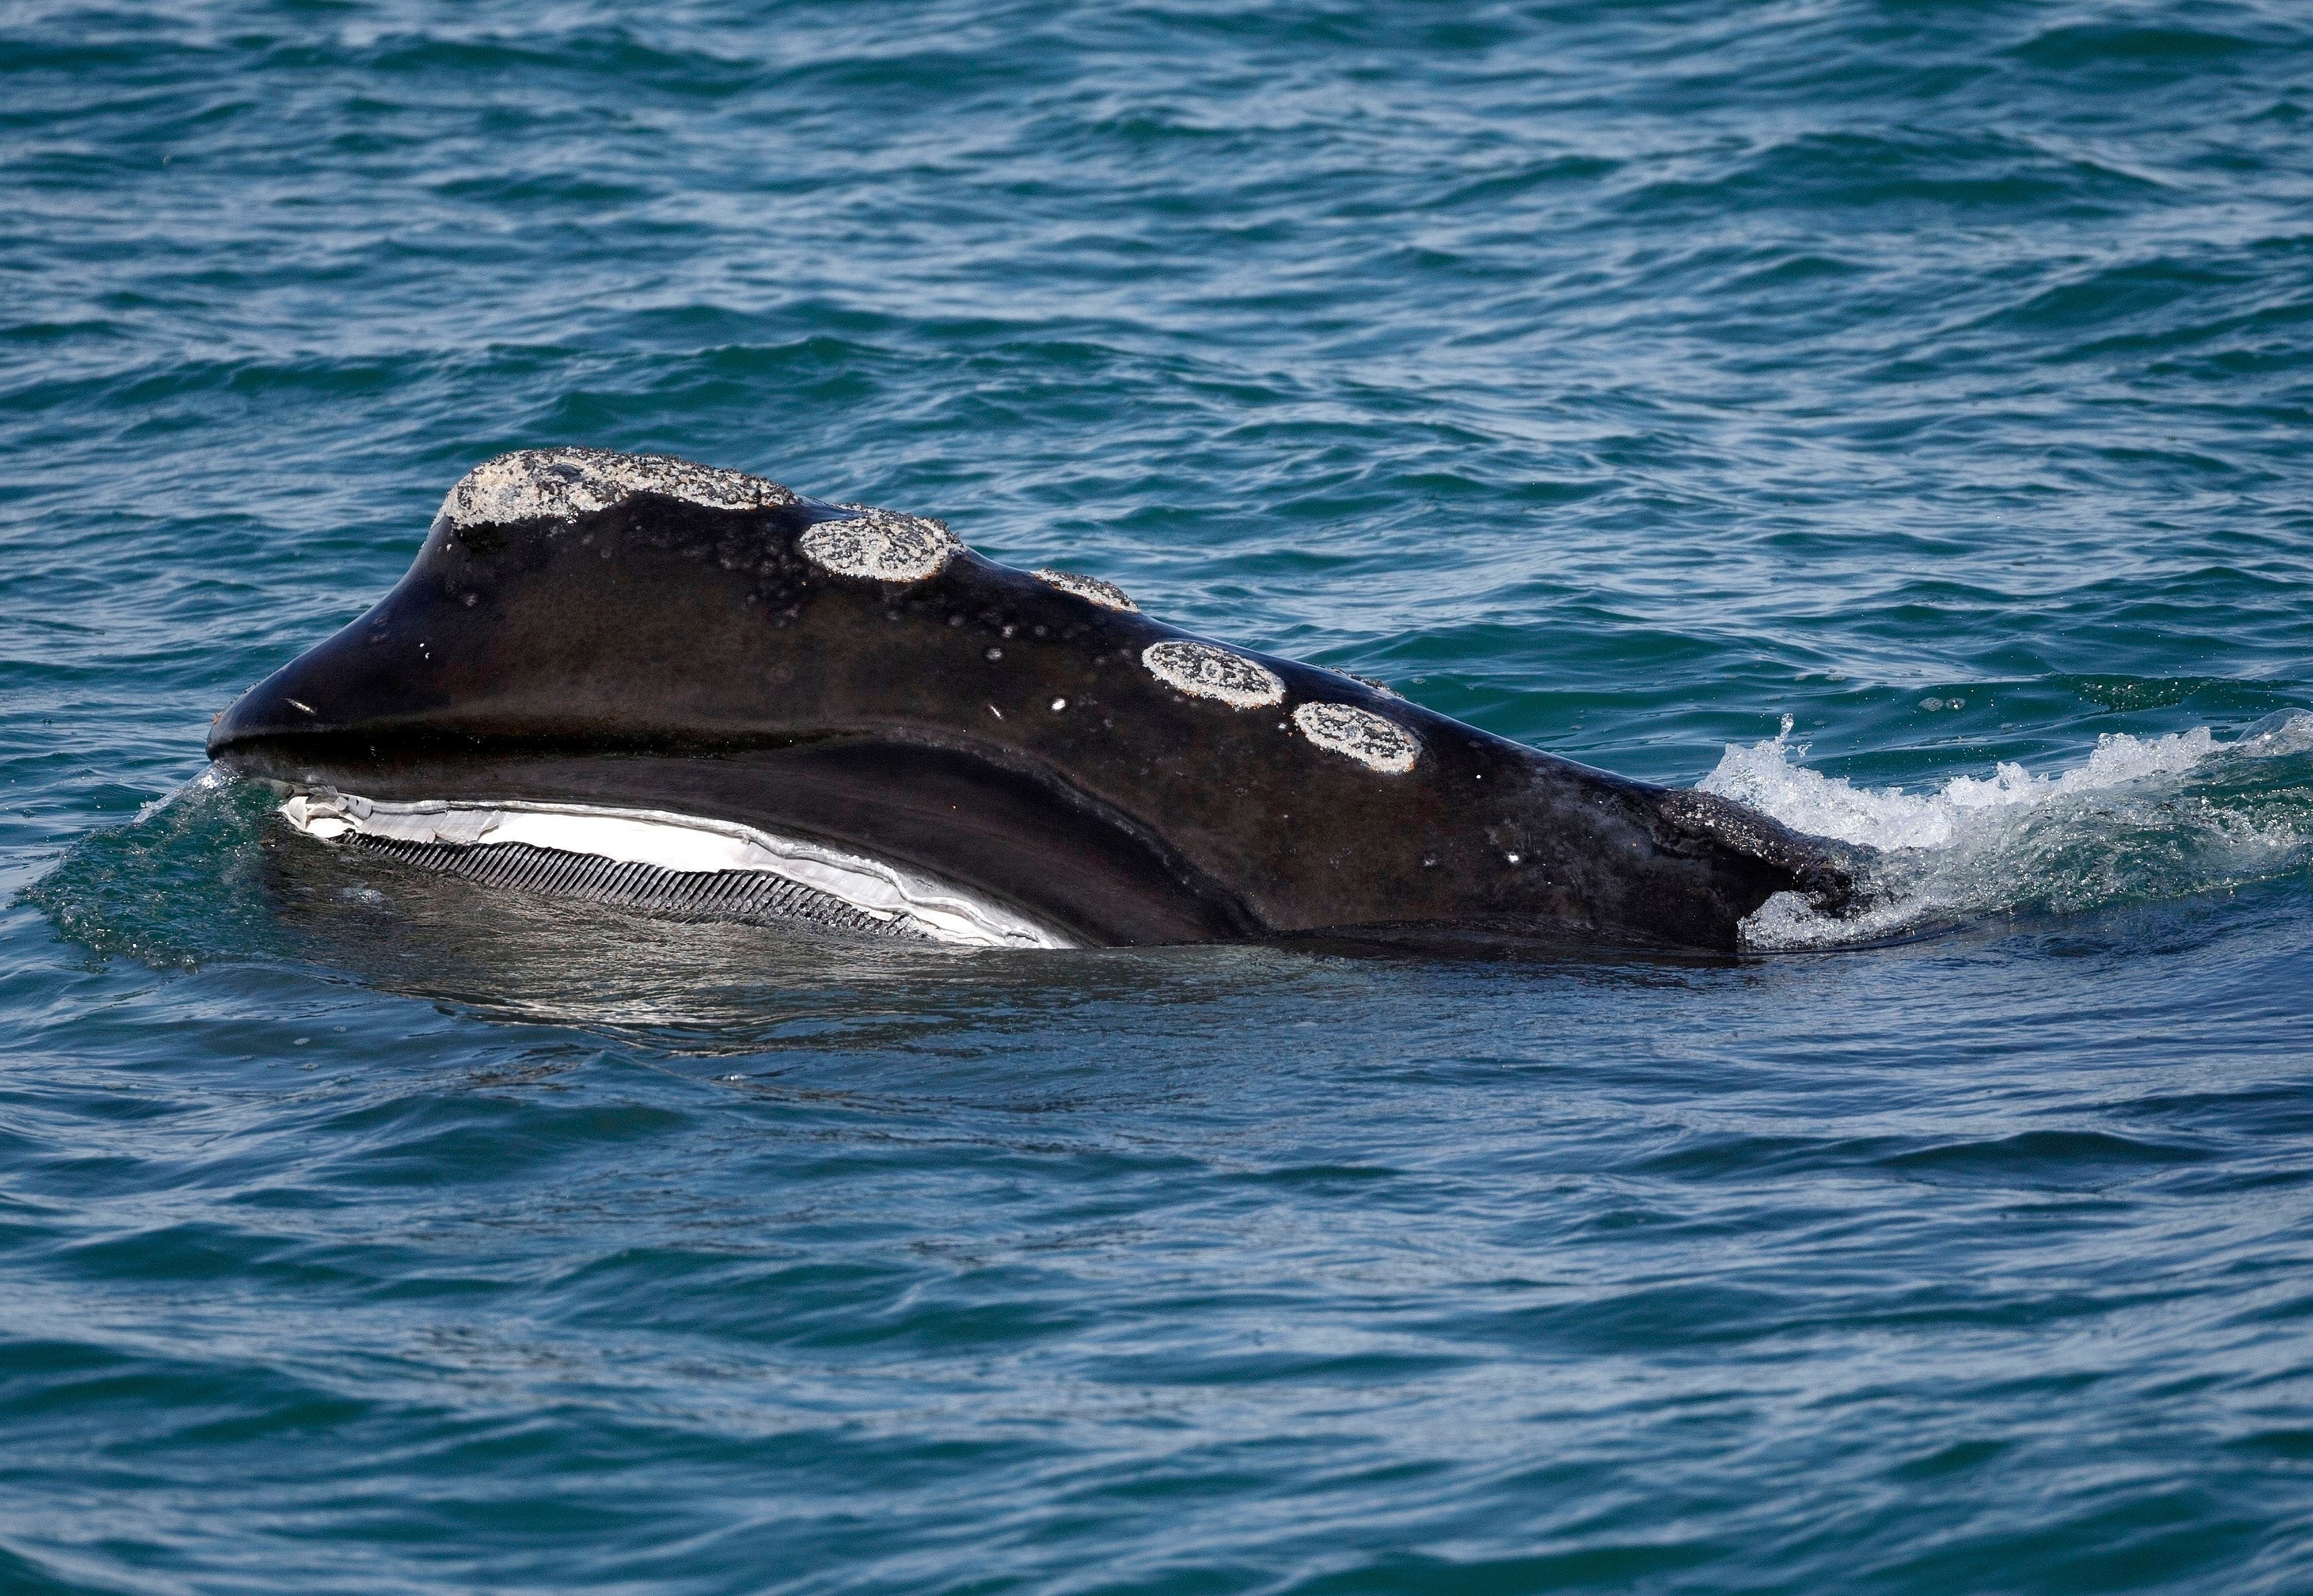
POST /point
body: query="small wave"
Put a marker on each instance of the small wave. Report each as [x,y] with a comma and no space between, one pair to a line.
[2142,818]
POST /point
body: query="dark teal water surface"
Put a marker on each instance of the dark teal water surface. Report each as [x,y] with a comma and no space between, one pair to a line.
[1895,415]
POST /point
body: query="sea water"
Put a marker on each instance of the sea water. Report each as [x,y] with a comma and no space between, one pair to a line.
[1894,417]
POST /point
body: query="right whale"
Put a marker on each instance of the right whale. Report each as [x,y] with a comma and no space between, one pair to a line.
[648,681]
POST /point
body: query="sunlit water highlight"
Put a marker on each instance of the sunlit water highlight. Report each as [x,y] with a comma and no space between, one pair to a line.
[1890,415]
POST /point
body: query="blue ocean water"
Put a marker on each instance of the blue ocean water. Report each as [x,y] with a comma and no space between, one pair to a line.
[1892,414]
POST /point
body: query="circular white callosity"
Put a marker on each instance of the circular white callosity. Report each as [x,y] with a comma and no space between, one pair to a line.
[1373,740]
[1203,671]
[556,484]
[1106,594]
[881,545]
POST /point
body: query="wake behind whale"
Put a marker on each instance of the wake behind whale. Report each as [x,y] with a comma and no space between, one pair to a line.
[655,683]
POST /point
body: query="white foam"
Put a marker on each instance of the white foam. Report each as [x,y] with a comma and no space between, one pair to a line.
[2111,826]
[1763,777]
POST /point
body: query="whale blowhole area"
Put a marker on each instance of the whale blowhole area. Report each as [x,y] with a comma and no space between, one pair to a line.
[558,484]
[1092,589]
[1206,671]
[1373,740]
[880,545]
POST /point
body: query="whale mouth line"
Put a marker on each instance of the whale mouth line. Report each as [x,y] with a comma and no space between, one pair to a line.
[689,865]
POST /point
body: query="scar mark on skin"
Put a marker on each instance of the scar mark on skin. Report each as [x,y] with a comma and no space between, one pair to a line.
[1202,671]
[1371,740]
[1106,594]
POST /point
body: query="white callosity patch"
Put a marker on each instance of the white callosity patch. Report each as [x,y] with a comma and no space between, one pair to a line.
[558,484]
[2139,817]
[877,888]
[880,545]
[1371,740]
[1106,594]
[1204,670]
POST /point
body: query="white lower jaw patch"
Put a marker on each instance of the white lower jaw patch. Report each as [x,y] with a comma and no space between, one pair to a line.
[877,889]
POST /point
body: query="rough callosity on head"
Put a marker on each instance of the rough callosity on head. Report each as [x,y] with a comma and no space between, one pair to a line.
[556,484]
[880,545]
[1371,740]
[1203,671]
[1106,594]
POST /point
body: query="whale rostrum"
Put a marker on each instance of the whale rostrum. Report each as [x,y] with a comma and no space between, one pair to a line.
[650,681]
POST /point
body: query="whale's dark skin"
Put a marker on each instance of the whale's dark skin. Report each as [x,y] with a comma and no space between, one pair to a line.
[662,653]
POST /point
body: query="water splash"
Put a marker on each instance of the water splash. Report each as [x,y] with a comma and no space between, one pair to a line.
[173,886]
[2141,818]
